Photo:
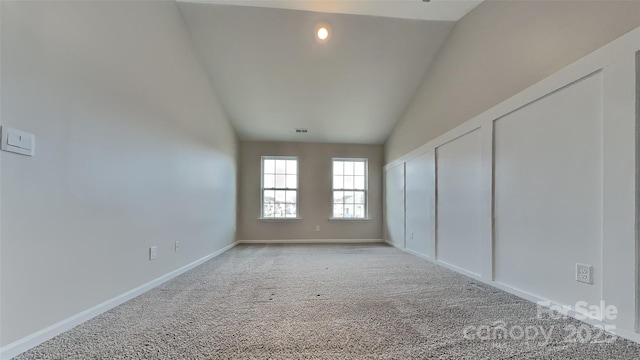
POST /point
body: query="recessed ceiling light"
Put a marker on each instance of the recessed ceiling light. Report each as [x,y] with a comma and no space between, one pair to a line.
[323,33]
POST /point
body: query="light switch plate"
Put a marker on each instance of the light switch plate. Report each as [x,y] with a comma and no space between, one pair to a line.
[18,142]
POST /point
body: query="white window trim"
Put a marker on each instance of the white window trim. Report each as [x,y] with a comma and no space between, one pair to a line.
[275,219]
[366,190]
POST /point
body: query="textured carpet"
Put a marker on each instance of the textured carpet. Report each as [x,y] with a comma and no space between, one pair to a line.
[326,302]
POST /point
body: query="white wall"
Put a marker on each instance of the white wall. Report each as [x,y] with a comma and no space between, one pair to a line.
[621,165]
[133,150]
[420,204]
[459,203]
[394,205]
[542,181]
[548,193]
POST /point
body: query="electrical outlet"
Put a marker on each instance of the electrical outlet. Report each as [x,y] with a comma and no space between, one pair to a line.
[317,227]
[412,235]
[584,273]
[177,246]
[153,253]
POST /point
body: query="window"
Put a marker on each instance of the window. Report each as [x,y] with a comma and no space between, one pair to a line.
[279,187]
[350,188]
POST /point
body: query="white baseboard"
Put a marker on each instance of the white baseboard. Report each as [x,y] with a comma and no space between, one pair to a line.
[435,261]
[585,318]
[19,346]
[313,241]
[397,246]
[625,334]
[458,269]
[420,255]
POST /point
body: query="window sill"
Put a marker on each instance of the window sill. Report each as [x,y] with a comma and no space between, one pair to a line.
[279,219]
[350,219]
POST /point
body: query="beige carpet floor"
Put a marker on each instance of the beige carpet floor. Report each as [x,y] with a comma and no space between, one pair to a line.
[327,302]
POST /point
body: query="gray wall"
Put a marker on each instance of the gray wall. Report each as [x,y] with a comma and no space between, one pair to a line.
[314,193]
[499,49]
[132,150]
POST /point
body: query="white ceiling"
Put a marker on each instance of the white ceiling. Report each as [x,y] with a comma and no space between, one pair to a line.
[442,10]
[273,77]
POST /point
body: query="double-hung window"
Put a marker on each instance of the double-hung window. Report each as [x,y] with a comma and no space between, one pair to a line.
[350,188]
[279,187]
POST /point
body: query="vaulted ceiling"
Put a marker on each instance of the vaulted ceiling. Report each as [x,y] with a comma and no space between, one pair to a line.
[274,77]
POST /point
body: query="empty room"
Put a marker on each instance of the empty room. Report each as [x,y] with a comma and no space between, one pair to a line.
[319,179]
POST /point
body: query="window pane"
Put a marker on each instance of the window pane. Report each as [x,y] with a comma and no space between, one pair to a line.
[338,168]
[290,210]
[348,197]
[280,207]
[269,196]
[269,181]
[267,210]
[268,199]
[348,167]
[348,211]
[337,211]
[292,166]
[337,197]
[291,182]
[338,182]
[269,166]
[348,182]
[291,197]
[350,175]
[279,173]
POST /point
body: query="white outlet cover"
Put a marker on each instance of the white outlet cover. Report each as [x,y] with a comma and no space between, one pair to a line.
[584,273]
[153,253]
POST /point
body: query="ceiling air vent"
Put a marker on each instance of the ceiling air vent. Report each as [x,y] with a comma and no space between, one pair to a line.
[301,131]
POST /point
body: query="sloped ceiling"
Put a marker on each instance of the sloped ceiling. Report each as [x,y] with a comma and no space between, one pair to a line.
[443,10]
[273,76]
